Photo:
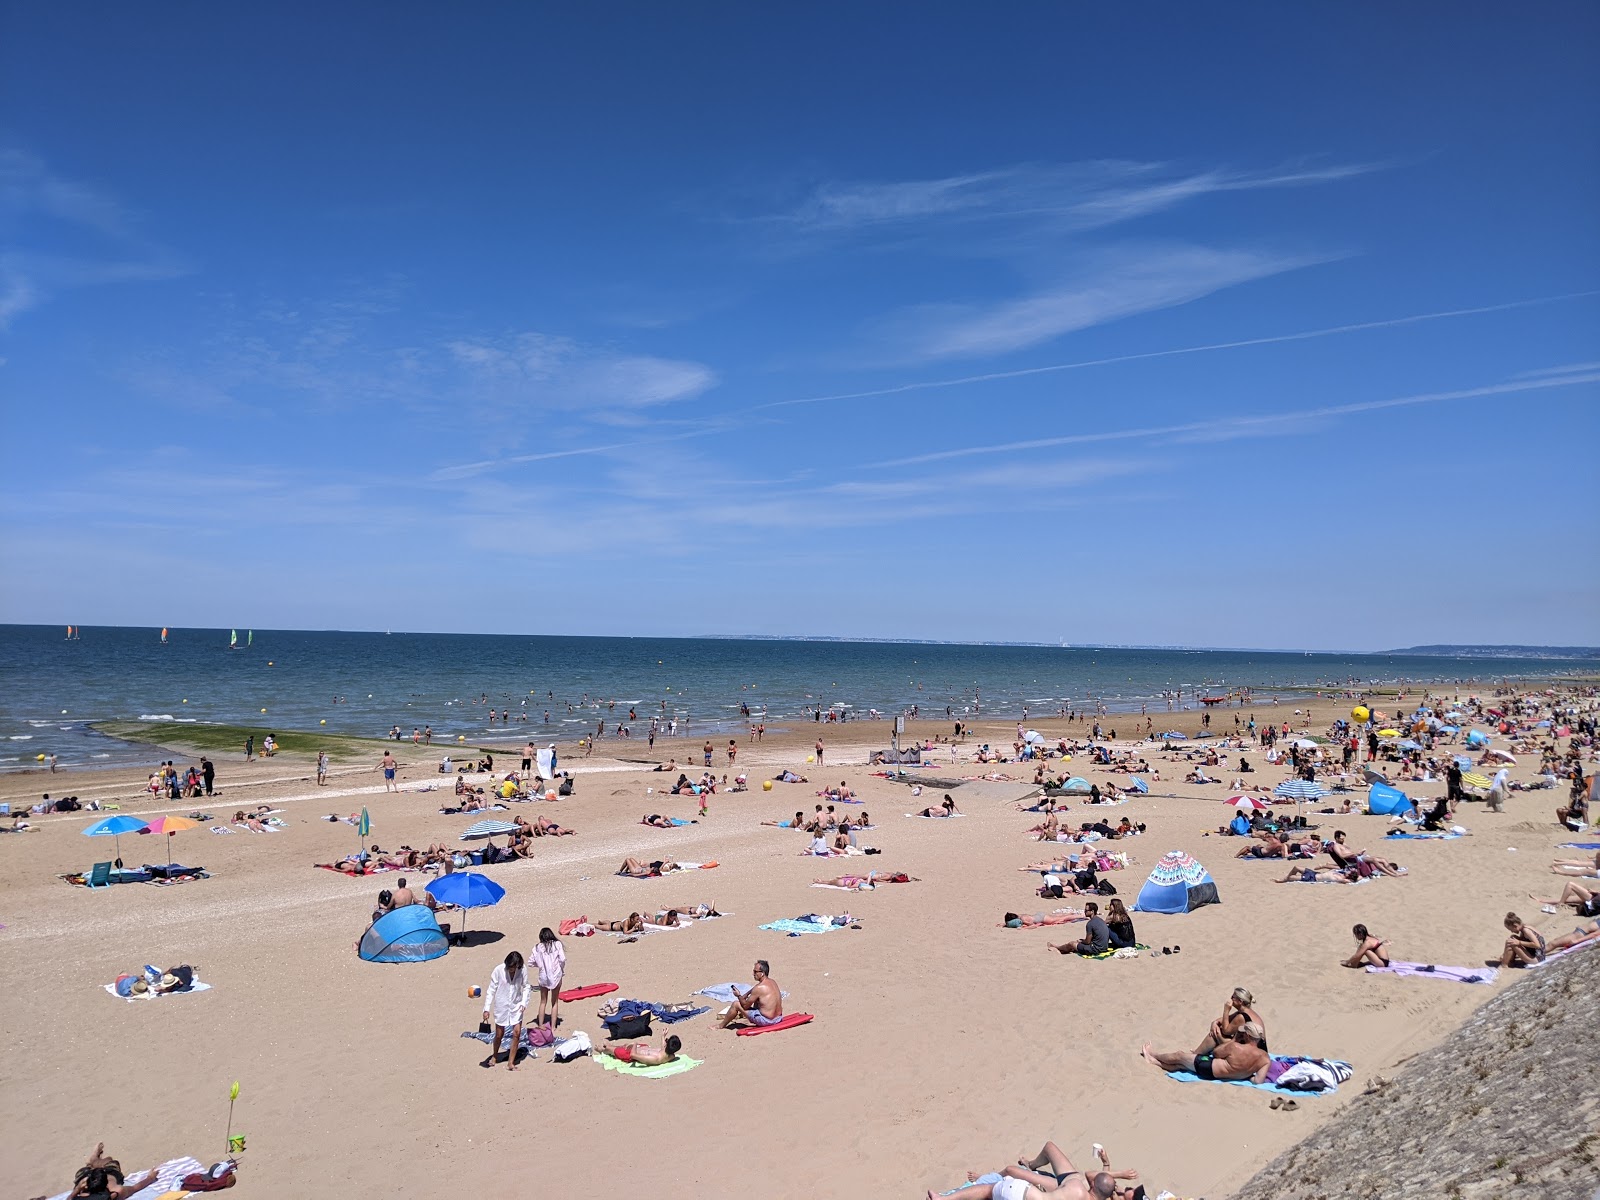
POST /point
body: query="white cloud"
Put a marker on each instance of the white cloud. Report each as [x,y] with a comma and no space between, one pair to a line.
[1118,286]
[65,235]
[1084,195]
[557,372]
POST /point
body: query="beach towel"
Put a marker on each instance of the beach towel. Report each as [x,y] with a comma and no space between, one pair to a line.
[196,986]
[660,1012]
[1111,952]
[1578,949]
[371,869]
[583,993]
[724,992]
[1430,971]
[1580,845]
[1398,836]
[168,1176]
[787,1021]
[660,1071]
[525,1043]
[1281,1065]
[787,925]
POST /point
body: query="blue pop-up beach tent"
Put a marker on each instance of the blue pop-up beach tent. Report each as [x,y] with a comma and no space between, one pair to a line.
[408,934]
[1384,801]
[1179,884]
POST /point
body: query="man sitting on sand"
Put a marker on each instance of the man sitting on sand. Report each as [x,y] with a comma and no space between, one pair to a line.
[762,1004]
[1096,935]
[645,1056]
[1240,1057]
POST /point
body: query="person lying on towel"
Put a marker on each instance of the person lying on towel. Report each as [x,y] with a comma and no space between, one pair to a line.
[1241,1058]
[646,1056]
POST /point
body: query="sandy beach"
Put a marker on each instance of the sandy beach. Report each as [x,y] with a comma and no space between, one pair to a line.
[942,1042]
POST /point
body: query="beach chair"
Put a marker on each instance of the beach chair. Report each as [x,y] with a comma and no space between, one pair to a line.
[99,875]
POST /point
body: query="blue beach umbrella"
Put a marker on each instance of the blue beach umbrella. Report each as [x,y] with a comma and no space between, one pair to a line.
[114,827]
[1174,735]
[487,828]
[466,890]
[1138,785]
[1300,789]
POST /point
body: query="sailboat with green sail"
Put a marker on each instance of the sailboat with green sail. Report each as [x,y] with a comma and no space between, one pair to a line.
[233,639]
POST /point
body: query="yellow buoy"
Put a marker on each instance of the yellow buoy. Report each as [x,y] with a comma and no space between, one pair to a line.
[38,758]
[1360,712]
[461,737]
[324,720]
[263,710]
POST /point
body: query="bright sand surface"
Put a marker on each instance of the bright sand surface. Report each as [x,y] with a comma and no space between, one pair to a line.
[941,1041]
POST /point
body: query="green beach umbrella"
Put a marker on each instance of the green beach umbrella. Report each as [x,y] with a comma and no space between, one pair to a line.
[364,828]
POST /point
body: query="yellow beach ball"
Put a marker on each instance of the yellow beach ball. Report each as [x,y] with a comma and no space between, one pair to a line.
[263,710]
[186,700]
[811,758]
[324,720]
[461,737]
[766,785]
[1360,712]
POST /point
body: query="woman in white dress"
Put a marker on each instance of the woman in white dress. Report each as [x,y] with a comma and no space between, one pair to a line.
[505,1002]
[551,958]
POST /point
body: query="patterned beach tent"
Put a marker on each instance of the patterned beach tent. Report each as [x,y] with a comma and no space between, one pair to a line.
[408,934]
[1179,884]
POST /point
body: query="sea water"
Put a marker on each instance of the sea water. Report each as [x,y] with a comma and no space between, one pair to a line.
[53,689]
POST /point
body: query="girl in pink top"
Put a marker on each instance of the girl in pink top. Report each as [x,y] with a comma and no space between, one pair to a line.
[550,957]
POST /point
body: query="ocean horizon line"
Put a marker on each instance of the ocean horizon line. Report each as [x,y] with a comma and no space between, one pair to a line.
[1487,650]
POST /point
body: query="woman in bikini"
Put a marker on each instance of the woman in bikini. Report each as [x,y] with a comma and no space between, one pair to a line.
[646,1056]
[1524,947]
[1369,950]
[1585,900]
[634,924]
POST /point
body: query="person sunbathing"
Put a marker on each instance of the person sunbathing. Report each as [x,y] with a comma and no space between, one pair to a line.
[639,869]
[1582,868]
[1240,1057]
[868,881]
[544,827]
[1237,1012]
[1524,947]
[657,820]
[645,1056]
[634,923]
[1583,934]
[1052,1172]
[670,765]
[101,1178]
[1013,921]
[1585,900]
[797,822]
[946,808]
[1369,950]
[1354,859]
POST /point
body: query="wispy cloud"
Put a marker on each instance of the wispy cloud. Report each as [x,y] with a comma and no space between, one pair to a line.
[1208,348]
[558,372]
[1115,286]
[1229,428]
[1084,195]
[62,234]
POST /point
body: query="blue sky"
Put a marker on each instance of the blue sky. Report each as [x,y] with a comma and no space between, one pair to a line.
[1246,326]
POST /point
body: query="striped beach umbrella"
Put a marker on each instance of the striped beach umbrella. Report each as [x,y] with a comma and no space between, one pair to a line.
[1300,789]
[487,829]
[1475,779]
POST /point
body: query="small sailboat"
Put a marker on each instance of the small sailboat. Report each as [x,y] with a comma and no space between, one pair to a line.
[249,637]
[163,635]
[233,639]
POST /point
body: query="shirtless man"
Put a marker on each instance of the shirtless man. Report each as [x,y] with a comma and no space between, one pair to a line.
[633,924]
[1052,1171]
[1241,1057]
[403,895]
[760,1005]
[388,766]
[645,1056]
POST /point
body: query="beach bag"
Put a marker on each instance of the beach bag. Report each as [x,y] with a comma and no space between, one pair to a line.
[541,1035]
[631,1027]
[573,1047]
